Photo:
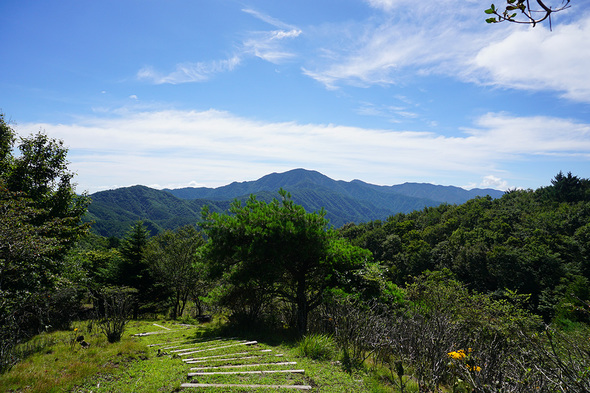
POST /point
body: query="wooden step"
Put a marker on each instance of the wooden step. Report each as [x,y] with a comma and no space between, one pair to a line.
[212,357]
[152,333]
[204,373]
[216,348]
[245,365]
[189,361]
[210,347]
[183,343]
[228,385]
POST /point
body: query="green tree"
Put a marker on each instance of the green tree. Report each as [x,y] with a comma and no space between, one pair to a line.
[40,219]
[176,262]
[40,173]
[134,271]
[92,264]
[281,250]
[7,138]
[41,212]
[568,188]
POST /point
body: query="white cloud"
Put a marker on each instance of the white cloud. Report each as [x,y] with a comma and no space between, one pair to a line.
[393,114]
[266,45]
[495,182]
[215,148]
[269,19]
[540,59]
[537,135]
[442,38]
[190,72]
[417,38]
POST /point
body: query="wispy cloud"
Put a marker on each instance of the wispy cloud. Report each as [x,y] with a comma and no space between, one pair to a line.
[394,114]
[190,72]
[417,38]
[386,5]
[412,39]
[269,19]
[266,45]
[171,147]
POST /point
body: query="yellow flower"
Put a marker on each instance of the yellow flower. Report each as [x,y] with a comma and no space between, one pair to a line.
[460,354]
[76,329]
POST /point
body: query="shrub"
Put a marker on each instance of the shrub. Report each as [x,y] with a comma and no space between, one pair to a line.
[317,346]
[118,305]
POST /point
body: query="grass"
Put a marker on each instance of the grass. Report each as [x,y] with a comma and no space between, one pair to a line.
[317,346]
[134,365]
[61,364]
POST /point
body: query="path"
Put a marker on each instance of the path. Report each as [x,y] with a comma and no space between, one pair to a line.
[232,363]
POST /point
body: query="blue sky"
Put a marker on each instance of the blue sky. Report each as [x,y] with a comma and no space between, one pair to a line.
[202,93]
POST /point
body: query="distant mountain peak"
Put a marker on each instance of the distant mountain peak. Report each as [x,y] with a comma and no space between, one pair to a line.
[353,201]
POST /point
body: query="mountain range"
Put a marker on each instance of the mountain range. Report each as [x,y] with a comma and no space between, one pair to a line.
[114,211]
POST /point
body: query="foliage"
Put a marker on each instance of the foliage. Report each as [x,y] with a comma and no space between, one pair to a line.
[446,336]
[359,328]
[522,8]
[134,271]
[117,305]
[267,250]
[40,217]
[176,262]
[532,242]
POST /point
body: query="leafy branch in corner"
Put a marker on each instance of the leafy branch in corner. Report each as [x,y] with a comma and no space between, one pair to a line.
[528,14]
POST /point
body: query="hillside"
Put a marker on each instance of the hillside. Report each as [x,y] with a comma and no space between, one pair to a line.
[114,211]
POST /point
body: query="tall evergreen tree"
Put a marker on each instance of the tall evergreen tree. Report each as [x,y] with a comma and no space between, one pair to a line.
[40,219]
[134,271]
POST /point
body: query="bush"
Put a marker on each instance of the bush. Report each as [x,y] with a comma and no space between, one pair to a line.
[317,346]
[118,303]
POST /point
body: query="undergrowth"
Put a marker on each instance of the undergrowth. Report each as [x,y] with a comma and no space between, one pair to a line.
[58,363]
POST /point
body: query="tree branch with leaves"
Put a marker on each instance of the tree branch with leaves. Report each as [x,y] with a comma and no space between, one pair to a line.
[521,11]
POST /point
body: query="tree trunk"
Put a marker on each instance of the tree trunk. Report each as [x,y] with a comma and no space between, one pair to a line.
[183,302]
[176,306]
[302,307]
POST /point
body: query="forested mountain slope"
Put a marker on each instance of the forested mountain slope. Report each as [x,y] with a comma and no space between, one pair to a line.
[114,211]
[533,242]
